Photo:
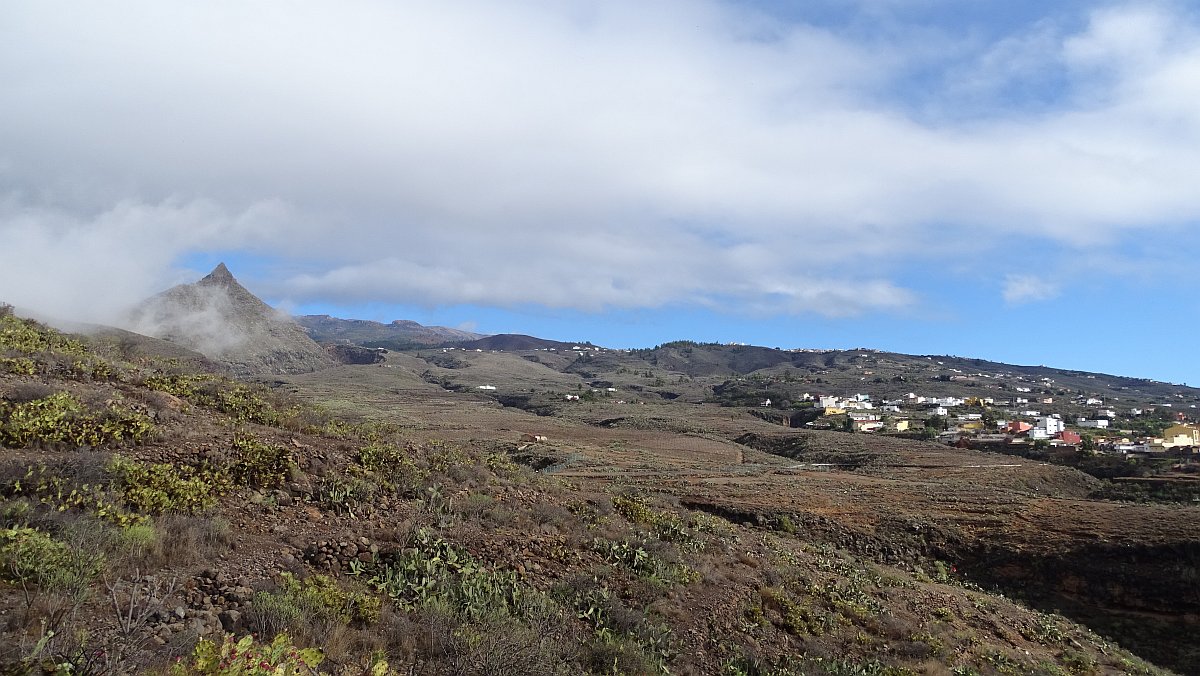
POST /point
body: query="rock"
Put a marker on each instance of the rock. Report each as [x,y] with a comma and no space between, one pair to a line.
[229,620]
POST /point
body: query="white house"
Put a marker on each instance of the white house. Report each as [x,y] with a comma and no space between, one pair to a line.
[1051,424]
[1099,424]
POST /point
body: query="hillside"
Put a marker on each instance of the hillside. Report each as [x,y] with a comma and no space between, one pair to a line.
[398,334]
[794,372]
[158,506]
[222,320]
[890,374]
[509,342]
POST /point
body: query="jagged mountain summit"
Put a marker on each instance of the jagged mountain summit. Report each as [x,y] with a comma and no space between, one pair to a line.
[225,322]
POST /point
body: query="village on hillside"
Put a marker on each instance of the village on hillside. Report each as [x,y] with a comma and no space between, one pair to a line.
[1160,438]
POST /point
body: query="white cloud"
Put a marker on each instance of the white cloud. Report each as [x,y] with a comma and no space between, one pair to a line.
[92,267]
[1020,289]
[581,154]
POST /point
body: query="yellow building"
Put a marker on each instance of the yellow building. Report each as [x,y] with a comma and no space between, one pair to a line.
[1181,435]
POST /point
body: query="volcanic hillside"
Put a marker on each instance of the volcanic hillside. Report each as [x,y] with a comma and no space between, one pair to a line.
[222,320]
[508,342]
[156,519]
[398,334]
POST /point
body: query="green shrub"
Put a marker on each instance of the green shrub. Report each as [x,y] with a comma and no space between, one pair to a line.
[138,540]
[22,366]
[60,418]
[245,657]
[164,487]
[319,596]
[62,494]
[346,494]
[392,466]
[243,403]
[444,456]
[182,385]
[31,557]
[30,337]
[246,404]
[259,464]
[435,570]
[646,565]
[667,526]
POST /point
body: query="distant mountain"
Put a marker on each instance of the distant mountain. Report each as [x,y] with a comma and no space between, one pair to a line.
[893,374]
[221,319]
[396,335]
[509,342]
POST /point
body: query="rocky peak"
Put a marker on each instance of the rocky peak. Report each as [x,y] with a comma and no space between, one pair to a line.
[224,321]
[219,276]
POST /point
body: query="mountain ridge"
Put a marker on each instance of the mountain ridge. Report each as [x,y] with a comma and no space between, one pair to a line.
[368,333]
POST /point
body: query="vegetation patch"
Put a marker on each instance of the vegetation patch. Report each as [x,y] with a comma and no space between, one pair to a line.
[157,488]
[666,526]
[316,598]
[635,558]
[63,494]
[61,418]
[392,466]
[30,337]
[259,464]
[40,564]
[243,403]
[435,570]
[238,657]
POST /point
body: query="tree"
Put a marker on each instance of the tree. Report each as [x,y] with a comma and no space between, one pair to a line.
[988,419]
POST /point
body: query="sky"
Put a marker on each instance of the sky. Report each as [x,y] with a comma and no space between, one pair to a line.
[1014,180]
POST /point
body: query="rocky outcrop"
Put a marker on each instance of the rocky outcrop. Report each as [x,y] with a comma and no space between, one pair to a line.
[353,354]
[221,319]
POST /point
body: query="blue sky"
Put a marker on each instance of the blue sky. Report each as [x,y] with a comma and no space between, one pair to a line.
[1005,180]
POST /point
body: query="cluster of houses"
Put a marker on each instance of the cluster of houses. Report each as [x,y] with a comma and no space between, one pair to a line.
[1024,424]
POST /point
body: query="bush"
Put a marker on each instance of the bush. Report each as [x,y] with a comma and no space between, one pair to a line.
[346,494]
[434,570]
[243,403]
[30,337]
[635,558]
[31,557]
[245,657]
[319,596]
[164,487]
[62,493]
[60,418]
[667,526]
[259,464]
[392,466]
